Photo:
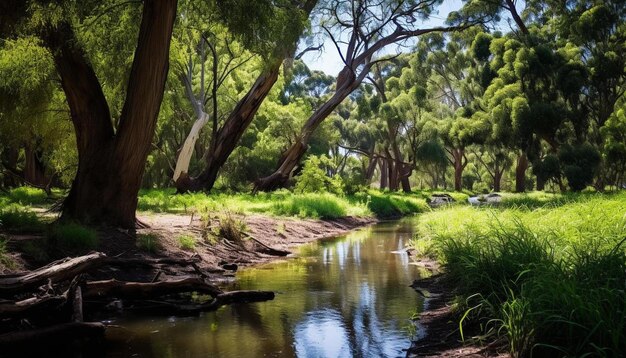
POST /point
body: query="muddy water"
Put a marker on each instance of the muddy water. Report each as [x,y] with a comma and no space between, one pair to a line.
[345,297]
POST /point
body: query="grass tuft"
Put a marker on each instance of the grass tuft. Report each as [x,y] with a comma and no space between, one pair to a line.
[15,219]
[186,242]
[73,238]
[148,242]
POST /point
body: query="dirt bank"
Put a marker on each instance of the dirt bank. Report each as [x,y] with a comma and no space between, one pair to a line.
[437,326]
[264,238]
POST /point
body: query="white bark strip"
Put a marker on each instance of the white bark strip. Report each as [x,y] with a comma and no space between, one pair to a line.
[186,152]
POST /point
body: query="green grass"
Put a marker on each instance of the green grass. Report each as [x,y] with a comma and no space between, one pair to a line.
[72,238]
[26,195]
[386,205]
[148,242]
[549,280]
[6,262]
[16,219]
[279,203]
[186,242]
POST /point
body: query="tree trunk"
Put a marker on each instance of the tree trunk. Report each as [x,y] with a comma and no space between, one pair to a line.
[345,84]
[497,179]
[34,168]
[406,184]
[384,177]
[371,168]
[459,163]
[229,135]
[520,173]
[186,152]
[111,163]
[541,184]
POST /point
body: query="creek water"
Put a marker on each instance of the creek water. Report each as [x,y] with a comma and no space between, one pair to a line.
[343,297]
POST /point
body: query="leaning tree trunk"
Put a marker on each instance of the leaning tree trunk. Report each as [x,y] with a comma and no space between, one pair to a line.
[229,135]
[346,83]
[520,173]
[111,163]
[371,168]
[186,152]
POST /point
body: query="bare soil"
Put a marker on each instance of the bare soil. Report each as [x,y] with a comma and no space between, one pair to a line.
[219,258]
[438,328]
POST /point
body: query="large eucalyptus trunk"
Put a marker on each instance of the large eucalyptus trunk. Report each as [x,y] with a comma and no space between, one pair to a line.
[111,163]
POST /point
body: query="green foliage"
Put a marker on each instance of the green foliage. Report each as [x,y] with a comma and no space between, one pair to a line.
[550,280]
[6,262]
[17,219]
[387,206]
[148,242]
[186,242]
[314,179]
[579,165]
[71,238]
[323,206]
[26,195]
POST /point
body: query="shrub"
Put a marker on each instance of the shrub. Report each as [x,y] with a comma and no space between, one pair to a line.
[26,195]
[73,238]
[393,206]
[313,178]
[231,228]
[186,242]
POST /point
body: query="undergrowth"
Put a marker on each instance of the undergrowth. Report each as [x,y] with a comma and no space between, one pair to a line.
[549,280]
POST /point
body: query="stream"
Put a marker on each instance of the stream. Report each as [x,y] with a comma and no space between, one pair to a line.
[343,297]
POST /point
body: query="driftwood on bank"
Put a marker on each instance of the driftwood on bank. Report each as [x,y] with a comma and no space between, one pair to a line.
[65,269]
[55,314]
[140,290]
[266,249]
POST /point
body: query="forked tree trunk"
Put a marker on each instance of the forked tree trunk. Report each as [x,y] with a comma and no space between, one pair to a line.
[111,164]
[520,173]
[229,135]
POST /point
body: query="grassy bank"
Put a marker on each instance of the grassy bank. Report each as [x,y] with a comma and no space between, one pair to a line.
[286,203]
[545,273]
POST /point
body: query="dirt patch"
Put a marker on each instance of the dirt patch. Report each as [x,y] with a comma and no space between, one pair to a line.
[260,234]
[438,330]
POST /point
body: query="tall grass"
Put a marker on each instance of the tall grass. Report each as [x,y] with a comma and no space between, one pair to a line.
[551,281]
[14,218]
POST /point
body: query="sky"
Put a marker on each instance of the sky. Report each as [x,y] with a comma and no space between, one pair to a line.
[328,59]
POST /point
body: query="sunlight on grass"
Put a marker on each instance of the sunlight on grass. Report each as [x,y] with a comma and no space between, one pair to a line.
[549,279]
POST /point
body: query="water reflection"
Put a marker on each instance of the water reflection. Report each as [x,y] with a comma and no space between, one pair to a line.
[346,297]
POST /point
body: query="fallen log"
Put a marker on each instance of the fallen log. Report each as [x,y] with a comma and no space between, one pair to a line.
[173,308]
[139,290]
[31,307]
[56,271]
